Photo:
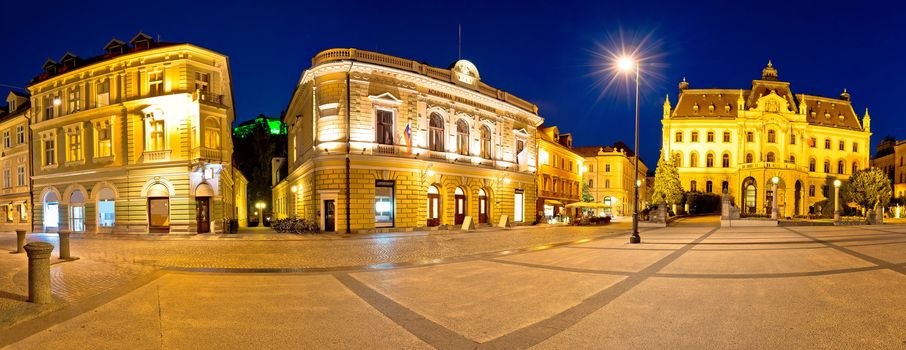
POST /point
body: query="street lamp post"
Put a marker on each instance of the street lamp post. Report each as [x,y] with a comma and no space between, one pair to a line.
[837,184]
[626,64]
[260,207]
[774,207]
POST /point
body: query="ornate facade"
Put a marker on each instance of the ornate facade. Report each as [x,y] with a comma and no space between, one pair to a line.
[133,140]
[737,140]
[891,158]
[15,195]
[380,142]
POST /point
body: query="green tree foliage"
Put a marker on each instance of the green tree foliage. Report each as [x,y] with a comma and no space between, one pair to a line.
[667,187]
[703,203]
[867,188]
[253,148]
[586,195]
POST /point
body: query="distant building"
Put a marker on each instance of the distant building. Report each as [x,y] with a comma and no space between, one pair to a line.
[890,157]
[381,142]
[133,140]
[737,140]
[274,125]
[15,195]
[559,172]
[610,177]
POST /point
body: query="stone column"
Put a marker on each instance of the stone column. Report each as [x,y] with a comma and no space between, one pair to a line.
[39,272]
[64,244]
[774,206]
[20,241]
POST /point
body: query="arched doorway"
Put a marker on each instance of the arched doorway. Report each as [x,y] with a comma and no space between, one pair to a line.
[749,195]
[158,208]
[51,211]
[77,211]
[459,206]
[770,197]
[798,199]
[482,206]
[433,206]
[203,194]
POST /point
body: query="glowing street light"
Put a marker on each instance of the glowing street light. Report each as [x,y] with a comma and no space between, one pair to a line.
[837,184]
[626,64]
[260,206]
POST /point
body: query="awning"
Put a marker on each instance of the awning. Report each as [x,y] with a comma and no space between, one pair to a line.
[586,205]
[552,202]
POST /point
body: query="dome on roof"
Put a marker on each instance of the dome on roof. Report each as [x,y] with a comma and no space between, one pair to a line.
[844,95]
[683,85]
[769,72]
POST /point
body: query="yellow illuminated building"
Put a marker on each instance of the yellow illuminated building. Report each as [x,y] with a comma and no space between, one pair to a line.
[737,140]
[610,179]
[559,172]
[135,140]
[381,142]
[15,193]
[891,158]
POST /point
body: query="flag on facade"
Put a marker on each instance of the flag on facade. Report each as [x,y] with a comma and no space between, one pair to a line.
[408,139]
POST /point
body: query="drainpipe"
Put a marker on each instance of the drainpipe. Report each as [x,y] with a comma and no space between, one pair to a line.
[348,139]
[31,182]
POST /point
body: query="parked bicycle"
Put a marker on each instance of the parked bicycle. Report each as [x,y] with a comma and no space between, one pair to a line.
[295,225]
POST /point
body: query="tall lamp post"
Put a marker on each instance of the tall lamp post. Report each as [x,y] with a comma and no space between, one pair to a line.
[626,64]
[260,207]
[837,184]
[774,206]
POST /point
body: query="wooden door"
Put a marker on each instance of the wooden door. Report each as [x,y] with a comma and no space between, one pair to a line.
[433,209]
[202,214]
[330,216]
[482,209]
[460,208]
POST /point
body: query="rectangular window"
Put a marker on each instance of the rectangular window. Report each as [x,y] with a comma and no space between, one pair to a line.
[23,213]
[811,191]
[842,145]
[103,94]
[75,100]
[606,168]
[202,81]
[824,190]
[855,147]
[75,146]
[7,141]
[750,137]
[20,134]
[518,206]
[710,136]
[156,134]
[7,178]
[20,176]
[827,144]
[384,129]
[694,137]
[679,136]
[726,137]
[50,153]
[792,139]
[102,147]
[49,106]
[383,203]
[156,83]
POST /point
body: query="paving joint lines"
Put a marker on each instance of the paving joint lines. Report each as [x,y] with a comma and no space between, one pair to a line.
[540,331]
[879,262]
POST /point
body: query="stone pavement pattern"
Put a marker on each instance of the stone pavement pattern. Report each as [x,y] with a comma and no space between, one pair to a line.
[692,286]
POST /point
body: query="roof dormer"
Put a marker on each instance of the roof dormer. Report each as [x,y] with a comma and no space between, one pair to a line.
[69,60]
[115,47]
[141,41]
[50,66]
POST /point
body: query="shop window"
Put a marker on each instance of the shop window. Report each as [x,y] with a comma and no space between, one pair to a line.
[383,203]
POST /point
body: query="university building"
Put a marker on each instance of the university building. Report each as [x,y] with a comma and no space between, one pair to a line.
[381,142]
[609,173]
[134,140]
[559,173]
[890,156]
[15,194]
[737,140]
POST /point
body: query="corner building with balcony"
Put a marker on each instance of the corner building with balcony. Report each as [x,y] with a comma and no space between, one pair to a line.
[559,174]
[135,140]
[738,140]
[378,142]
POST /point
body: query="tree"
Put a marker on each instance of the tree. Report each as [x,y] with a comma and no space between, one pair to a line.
[867,188]
[586,194]
[667,188]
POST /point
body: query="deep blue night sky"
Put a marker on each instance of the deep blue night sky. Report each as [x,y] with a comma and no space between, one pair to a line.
[544,52]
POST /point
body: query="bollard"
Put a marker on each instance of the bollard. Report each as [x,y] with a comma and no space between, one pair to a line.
[20,241]
[64,244]
[39,272]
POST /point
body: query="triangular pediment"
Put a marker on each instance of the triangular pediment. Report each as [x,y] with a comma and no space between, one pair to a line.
[773,103]
[521,132]
[386,98]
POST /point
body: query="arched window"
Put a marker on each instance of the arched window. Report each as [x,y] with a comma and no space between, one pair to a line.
[855,167]
[212,133]
[772,136]
[485,142]
[770,157]
[106,207]
[811,165]
[436,133]
[827,166]
[693,160]
[606,183]
[792,159]
[750,158]
[462,137]
[725,160]
[840,167]
[709,160]
[678,159]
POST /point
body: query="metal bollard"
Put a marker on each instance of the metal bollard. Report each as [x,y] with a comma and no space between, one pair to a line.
[39,272]
[64,244]
[20,241]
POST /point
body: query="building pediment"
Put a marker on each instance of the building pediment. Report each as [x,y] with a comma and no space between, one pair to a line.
[386,98]
[773,103]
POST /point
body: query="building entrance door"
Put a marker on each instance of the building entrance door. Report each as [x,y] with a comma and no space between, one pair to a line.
[433,206]
[203,214]
[330,215]
[159,214]
[459,201]
[78,218]
[482,207]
